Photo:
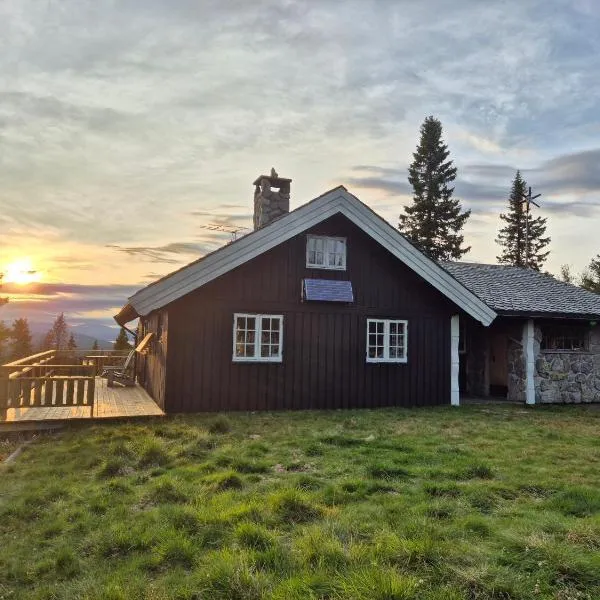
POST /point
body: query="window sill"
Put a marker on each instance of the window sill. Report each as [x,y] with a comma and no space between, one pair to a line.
[387,361]
[325,268]
[237,359]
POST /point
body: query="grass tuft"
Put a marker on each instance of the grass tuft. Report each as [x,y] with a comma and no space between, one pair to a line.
[220,425]
[293,506]
[253,536]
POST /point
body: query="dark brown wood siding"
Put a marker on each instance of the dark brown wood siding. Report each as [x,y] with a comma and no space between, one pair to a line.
[324,344]
[152,364]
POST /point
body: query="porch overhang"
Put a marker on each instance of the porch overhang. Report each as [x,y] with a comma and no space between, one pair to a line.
[126,315]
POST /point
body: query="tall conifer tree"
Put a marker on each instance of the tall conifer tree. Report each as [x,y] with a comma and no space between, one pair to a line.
[520,248]
[122,341]
[21,339]
[590,279]
[434,220]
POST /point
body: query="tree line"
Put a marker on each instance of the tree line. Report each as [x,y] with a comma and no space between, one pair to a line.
[16,340]
[434,221]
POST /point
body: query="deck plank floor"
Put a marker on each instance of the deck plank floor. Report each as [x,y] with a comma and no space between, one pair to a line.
[113,402]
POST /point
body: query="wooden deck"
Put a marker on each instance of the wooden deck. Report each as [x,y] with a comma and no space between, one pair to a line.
[109,403]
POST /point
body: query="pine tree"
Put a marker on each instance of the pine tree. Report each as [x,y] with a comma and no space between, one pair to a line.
[48,342]
[21,340]
[5,334]
[95,345]
[566,274]
[58,336]
[122,341]
[590,279]
[434,220]
[521,248]
[71,344]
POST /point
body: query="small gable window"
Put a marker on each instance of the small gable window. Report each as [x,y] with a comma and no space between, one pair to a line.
[257,338]
[567,338]
[387,341]
[324,252]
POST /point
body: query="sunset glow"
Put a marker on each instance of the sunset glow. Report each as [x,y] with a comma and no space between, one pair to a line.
[21,272]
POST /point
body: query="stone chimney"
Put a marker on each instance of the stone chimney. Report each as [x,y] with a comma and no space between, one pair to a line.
[271,198]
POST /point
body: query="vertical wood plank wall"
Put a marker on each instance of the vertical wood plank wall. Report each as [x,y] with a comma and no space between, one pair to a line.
[324,343]
[152,365]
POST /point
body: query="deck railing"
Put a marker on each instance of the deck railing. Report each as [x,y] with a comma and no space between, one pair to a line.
[54,378]
[46,379]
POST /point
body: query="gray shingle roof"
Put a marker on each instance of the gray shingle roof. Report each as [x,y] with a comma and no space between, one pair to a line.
[514,290]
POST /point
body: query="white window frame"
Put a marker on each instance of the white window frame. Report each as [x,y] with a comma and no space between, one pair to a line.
[257,338]
[326,254]
[386,341]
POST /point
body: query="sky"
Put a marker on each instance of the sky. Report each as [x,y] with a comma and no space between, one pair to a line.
[126,127]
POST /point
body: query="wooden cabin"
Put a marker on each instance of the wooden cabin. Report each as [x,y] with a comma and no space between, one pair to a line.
[324,307]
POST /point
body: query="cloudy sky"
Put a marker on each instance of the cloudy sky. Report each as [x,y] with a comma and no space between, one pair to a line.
[126,126]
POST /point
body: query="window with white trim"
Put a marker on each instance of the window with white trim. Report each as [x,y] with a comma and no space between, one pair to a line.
[387,341]
[257,338]
[323,252]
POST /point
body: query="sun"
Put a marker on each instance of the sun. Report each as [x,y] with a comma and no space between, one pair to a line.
[21,272]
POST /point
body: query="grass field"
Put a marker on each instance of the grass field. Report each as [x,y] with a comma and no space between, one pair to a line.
[479,502]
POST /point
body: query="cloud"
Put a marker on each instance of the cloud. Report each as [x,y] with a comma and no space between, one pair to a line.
[163,254]
[85,305]
[130,125]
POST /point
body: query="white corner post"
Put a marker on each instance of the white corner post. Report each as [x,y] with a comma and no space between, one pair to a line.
[528,339]
[454,360]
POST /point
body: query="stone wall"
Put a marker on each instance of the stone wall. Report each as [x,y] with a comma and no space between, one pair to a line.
[517,384]
[568,377]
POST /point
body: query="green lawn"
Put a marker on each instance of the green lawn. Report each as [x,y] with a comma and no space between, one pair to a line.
[479,502]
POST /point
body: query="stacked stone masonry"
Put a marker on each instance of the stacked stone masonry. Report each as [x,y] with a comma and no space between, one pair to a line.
[568,377]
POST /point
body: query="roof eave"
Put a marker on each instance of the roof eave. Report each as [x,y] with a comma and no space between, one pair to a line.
[338,200]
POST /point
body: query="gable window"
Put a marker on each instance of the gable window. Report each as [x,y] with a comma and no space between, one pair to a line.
[324,252]
[567,338]
[257,338]
[387,341]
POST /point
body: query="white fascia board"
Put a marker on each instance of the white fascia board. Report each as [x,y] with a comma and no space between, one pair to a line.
[338,200]
[229,257]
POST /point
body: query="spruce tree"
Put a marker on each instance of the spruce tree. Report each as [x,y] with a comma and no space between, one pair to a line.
[21,340]
[122,341]
[520,248]
[5,333]
[71,344]
[435,218]
[590,279]
[58,336]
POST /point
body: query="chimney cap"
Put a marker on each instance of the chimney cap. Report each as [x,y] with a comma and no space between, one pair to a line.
[275,181]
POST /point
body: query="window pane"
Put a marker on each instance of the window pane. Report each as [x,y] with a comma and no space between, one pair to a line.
[239,350]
